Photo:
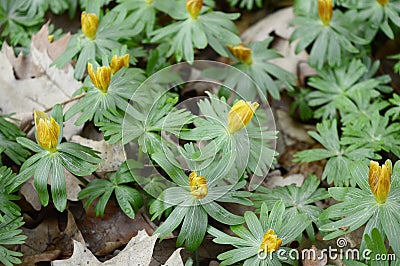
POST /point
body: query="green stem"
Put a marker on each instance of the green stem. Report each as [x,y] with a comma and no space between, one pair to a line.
[140,155]
[196,257]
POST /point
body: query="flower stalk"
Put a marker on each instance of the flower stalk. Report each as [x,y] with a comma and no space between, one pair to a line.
[47,131]
[379,180]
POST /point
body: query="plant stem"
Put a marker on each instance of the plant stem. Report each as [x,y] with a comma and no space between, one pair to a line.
[196,257]
[140,155]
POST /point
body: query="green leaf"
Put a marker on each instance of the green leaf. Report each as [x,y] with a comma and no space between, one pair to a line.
[58,185]
[377,245]
[391,226]
[129,200]
[222,215]
[10,235]
[41,176]
[27,143]
[173,221]
[254,225]
[291,230]
[193,228]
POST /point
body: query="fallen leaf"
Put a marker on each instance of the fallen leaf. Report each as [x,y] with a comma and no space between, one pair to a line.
[293,130]
[175,259]
[138,251]
[113,155]
[113,230]
[36,85]
[280,181]
[314,257]
[278,24]
[47,240]
[40,86]
[31,196]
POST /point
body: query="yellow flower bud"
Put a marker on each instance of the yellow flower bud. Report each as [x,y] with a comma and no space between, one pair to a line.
[50,38]
[193,7]
[379,180]
[383,2]
[240,115]
[198,186]
[149,2]
[89,24]
[242,53]
[119,62]
[325,11]
[270,242]
[47,131]
[100,79]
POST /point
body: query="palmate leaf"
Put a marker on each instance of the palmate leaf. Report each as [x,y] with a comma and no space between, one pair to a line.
[331,43]
[16,23]
[339,156]
[145,120]
[358,207]
[263,76]
[297,199]
[113,26]
[214,28]
[95,103]
[44,165]
[251,145]
[248,4]
[394,111]
[9,132]
[7,207]
[376,134]
[128,198]
[249,238]
[142,14]
[379,17]
[336,87]
[10,234]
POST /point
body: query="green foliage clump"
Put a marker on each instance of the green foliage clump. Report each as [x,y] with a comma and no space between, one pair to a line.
[10,219]
[128,198]
[297,200]
[249,239]
[359,207]
[339,155]
[9,133]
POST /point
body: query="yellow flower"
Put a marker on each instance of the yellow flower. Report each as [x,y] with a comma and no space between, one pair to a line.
[47,131]
[89,24]
[198,186]
[379,180]
[383,2]
[149,2]
[242,53]
[270,242]
[100,79]
[119,62]
[193,7]
[325,11]
[50,38]
[240,115]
